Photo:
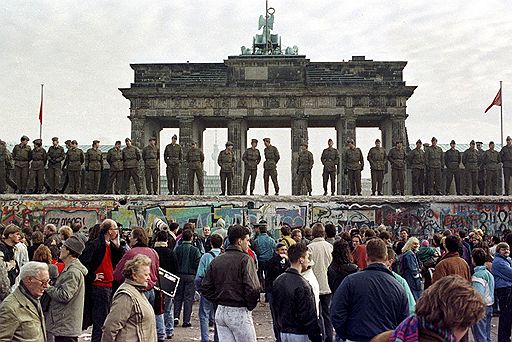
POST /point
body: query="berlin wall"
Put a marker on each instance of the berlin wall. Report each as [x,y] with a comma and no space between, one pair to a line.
[422,215]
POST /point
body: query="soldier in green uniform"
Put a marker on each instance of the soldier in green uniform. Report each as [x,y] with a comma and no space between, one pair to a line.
[470,161]
[377,158]
[173,156]
[481,168]
[397,158]
[93,168]
[73,164]
[151,156]
[506,159]
[251,158]
[491,161]
[416,162]
[65,177]
[270,166]
[331,160]
[55,157]
[434,162]
[3,167]
[304,167]
[227,162]
[131,158]
[452,159]
[37,165]
[9,165]
[21,156]
[115,174]
[353,164]
[195,159]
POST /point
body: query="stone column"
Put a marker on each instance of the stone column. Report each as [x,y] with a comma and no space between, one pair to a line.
[185,140]
[237,134]
[299,131]
[138,130]
[345,129]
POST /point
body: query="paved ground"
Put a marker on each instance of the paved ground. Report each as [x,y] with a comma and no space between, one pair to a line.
[263,325]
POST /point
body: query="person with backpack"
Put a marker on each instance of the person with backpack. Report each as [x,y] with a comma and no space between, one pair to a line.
[207,308]
[483,281]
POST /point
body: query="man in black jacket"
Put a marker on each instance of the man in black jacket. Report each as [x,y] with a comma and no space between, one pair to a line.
[100,256]
[231,283]
[294,308]
[371,301]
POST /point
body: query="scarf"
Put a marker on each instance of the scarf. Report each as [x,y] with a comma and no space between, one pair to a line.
[409,330]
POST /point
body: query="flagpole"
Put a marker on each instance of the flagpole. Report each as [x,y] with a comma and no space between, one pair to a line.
[40,115]
[501,112]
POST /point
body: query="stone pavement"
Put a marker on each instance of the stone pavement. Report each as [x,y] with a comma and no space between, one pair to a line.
[262,322]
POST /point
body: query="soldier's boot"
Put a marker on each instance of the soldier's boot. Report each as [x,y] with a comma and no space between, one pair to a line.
[333,194]
[309,193]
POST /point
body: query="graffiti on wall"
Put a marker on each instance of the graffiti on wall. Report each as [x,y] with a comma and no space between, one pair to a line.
[421,218]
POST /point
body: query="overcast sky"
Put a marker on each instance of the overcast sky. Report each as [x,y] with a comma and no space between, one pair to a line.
[457,52]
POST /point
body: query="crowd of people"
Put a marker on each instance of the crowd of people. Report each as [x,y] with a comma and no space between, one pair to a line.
[320,284]
[475,169]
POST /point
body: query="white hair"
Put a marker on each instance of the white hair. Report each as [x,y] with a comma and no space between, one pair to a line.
[32,269]
[51,227]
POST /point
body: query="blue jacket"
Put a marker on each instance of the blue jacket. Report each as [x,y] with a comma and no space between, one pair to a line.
[502,271]
[368,303]
[264,247]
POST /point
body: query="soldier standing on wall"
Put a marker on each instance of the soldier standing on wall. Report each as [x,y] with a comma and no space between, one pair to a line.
[506,159]
[331,160]
[377,158]
[93,167]
[115,160]
[73,163]
[37,165]
[416,161]
[304,166]
[226,161]
[195,159]
[353,163]
[481,168]
[452,161]
[151,156]
[270,166]
[131,158]
[251,158]
[470,161]
[55,157]
[173,155]
[65,176]
[397,158]
[492,160]
[21,156]
[434,161]
[9,165]
[3,167]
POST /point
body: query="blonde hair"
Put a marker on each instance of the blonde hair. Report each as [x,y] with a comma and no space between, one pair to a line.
[408,245]
[135,265]
[66,232]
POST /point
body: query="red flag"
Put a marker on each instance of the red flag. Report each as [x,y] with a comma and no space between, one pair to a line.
[41,109]
[496,101]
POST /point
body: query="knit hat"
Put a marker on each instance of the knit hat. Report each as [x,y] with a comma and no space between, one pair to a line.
[74,244]
[425,243]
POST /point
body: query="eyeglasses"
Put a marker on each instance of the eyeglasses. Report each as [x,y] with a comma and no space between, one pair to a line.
[43,282]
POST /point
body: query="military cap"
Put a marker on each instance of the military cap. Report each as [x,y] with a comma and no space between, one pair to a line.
[350,141]
[229,143]
[419,141]
[399,141]
[433,139]
[118,142]
[55,139]
[266,140]
[127,139]
[472,142]
[38,142]
[330,140]
[509,138]
[175,137]
[74,142]
[254,141]
[479,142]
[304,144]
[491,142]
[67,142]
[452,142]
[377,140]
[95,142]
[24,138]
[152,138]
[193,143]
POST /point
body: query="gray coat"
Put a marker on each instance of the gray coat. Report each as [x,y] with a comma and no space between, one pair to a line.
[67,301]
